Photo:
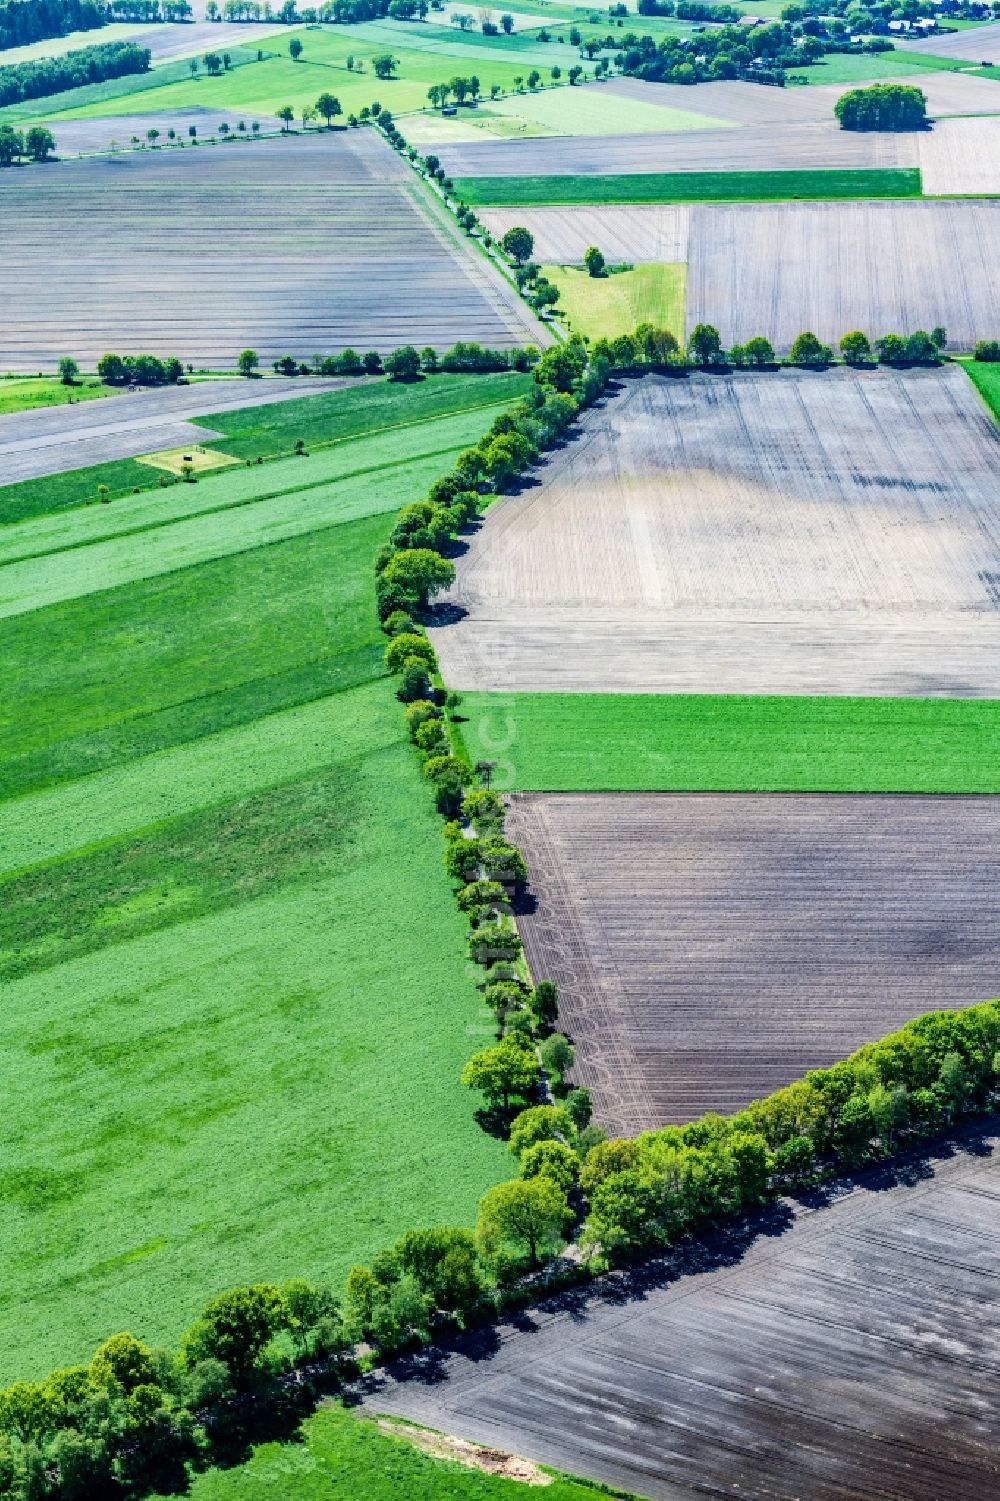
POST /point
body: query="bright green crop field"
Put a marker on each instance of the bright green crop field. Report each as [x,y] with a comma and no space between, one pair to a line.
[209,795]
[691,187]
[424,54]
[344,1458]
[581,742]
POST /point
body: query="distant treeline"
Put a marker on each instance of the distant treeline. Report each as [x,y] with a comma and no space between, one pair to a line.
[22,23]
[51,75]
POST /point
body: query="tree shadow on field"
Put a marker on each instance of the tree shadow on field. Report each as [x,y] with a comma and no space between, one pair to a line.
[977,1139]
[718,1249]
[445,613]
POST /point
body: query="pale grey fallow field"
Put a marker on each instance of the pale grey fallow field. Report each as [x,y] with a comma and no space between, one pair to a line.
[962,156]
[709,948]
[778,268]
[645,232]
[82,137]
[974,43]
[292,245]
[853,1357]
[788,532]
[791,147]
[885,266]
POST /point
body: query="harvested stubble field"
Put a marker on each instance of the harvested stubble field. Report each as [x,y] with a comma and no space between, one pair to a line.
[854,1355]
[779,268]
[821,533]
[762,148]
[208,792]
[346,250]
[710,948]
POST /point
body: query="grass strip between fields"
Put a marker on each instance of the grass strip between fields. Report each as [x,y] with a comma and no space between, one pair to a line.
[580,742]
[690,187]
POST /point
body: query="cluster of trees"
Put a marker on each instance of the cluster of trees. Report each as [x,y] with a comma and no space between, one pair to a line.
[22,24]
[883,106]
[253,10]
[706,351]
[138,370]
[665,1184]
[35,143]
[690,10]
[135,1419]
[405,363]
[730,52]
[988,350]
[51,75]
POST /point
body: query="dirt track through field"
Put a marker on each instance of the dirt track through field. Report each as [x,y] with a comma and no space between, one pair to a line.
[710,948]
[302,246]
[779,533]
[851,1358]
[53,440]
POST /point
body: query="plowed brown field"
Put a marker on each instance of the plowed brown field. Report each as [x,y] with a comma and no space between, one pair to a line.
[853,1358]
[710,948]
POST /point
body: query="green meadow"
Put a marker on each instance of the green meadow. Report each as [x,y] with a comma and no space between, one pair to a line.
[620,742]
[208,795]
[986,378]
[690,187]
[425,54]
[345,1458]
[24,394]
[602,307]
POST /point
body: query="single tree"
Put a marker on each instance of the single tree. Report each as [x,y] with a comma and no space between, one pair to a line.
[213,62]
[555,73]
[518,243]
[329,107]
[403,364]
[38,142]
[594,261]
[308,115]
[384,65]
[525,1215]
[758,352]
[502,1073]
[575,74]
[235,1329]
[557,1055]
[287,114]
[507,23]
[193,66]
[807,350]
[939,337]
[247,362]
[856,348]
[705,345]
[68,370]
[534,79]
[295,49]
